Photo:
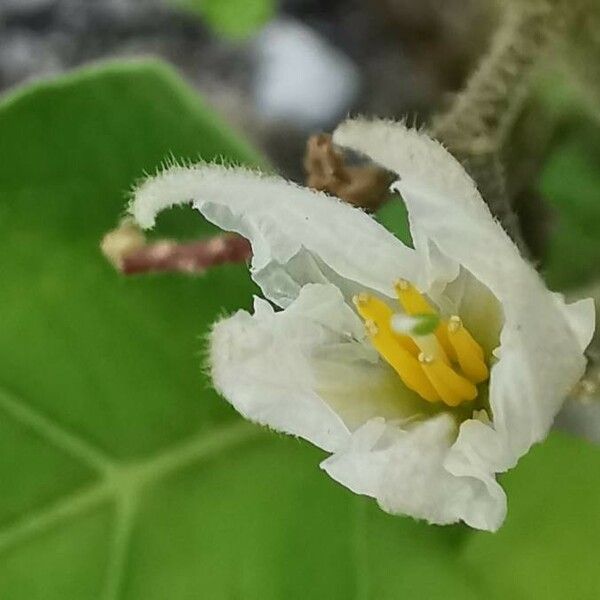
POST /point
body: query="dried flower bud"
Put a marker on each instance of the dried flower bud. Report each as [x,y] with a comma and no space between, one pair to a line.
[358,182]
[122,241]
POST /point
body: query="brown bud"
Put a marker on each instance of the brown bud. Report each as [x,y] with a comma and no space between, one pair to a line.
[362,183]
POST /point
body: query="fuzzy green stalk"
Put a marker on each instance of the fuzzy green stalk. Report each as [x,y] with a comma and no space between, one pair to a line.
[479,120]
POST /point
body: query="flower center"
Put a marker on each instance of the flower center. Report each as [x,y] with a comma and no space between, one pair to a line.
[435,357]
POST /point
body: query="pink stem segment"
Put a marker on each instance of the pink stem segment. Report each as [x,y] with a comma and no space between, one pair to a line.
[190,258]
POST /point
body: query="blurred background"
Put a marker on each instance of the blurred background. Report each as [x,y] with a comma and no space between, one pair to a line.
[124,475]
[277,69]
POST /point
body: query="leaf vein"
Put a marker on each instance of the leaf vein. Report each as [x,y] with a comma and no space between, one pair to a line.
[62,510]
[54,433]
[125,517]
[124,484]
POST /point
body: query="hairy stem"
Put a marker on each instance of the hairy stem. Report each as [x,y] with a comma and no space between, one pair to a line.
[477,123]
[580,52]
[479,119]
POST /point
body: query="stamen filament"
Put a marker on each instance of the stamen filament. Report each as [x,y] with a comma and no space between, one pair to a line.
[452,387]
[468,352]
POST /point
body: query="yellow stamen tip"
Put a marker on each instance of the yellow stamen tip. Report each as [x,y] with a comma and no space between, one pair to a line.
[469,353]
[454,323]
[371,328]
[425,362]
[425,358]
[412,301]
[360,299]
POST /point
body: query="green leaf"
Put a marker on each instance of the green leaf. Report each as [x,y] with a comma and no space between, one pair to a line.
[125,476]
[571,182]
[232,18]
[562,122]
[549,546]
[393,215]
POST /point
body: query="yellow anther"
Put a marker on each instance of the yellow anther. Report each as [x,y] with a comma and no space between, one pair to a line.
[452,388]
[441,333]
[456,328]
[391,346]
[406,365]
[469,353]
[379,314]
[427,363]
[412,301]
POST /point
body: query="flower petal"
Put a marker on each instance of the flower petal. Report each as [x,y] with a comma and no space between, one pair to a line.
[541,357]
[270,381]
[298,236]
[404,470]
[581,316]
[540,354]
[421,163]
[359,389]
[296,387]
[419,160]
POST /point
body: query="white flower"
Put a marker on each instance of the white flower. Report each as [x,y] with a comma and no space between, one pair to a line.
[305,364]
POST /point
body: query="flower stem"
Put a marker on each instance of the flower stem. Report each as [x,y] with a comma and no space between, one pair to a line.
[128,251]
[477,123]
